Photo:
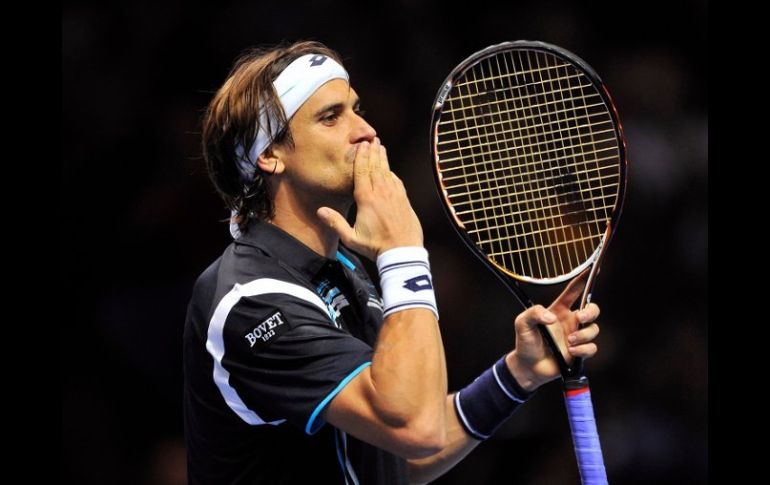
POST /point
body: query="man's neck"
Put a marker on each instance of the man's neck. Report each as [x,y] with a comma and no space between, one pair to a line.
[304,225]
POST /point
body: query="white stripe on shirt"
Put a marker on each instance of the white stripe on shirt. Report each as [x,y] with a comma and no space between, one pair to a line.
[215,340]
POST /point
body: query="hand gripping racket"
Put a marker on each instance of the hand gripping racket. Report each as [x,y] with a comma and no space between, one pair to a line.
[530,162]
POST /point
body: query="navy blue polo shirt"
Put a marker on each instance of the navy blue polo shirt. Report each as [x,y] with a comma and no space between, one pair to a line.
[273,332]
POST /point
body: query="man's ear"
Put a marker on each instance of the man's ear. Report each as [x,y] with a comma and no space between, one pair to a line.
[270,163]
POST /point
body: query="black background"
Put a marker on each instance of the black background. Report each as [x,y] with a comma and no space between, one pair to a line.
[141,220]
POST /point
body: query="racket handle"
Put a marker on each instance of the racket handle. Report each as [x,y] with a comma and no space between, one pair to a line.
[588,451]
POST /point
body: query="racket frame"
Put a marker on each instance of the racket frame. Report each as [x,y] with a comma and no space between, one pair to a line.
[571,374]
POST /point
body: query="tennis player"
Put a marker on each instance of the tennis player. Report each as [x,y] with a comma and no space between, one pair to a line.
[296,368]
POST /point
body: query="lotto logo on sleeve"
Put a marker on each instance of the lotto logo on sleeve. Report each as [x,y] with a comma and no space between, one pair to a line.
[418,283]
[267,331]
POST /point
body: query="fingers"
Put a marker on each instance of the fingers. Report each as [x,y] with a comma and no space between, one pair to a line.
[375,150]
[585,351]
[362,167]
[336,221]
[385,218]
[374,153]
[584,335]
[371,165]
[379,163]
[535,315]
[384,164]
[580,343]
[588,314]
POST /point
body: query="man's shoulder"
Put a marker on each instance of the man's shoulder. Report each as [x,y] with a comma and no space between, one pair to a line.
[252,277]
[240,264]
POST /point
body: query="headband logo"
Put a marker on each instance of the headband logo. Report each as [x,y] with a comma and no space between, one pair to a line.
[317,60]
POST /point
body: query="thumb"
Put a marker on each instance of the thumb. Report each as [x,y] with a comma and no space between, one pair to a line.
[536,315]
[334,219]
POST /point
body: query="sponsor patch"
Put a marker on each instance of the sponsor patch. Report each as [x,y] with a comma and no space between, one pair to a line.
[266,331]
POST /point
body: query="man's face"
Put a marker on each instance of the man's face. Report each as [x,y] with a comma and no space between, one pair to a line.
[327,131]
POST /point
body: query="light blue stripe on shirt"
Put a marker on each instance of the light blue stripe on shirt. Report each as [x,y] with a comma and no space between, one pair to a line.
[342,259]
[312,425]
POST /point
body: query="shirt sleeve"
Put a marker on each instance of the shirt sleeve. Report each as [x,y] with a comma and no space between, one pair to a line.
[285,359]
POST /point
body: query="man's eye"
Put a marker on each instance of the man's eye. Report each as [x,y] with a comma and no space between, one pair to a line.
[330,117]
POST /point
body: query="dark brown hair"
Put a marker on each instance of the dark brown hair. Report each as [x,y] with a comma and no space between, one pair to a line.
[232,118]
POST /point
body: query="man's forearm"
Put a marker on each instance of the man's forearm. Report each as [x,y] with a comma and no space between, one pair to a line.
[488,403]
[458,445]
[408,370]
[397,403]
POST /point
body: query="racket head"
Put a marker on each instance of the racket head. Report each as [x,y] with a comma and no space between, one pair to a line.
[528,152]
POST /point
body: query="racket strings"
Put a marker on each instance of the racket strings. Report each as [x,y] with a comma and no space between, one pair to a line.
[497,238]
[529,166]
[529,160]
[525,137]
[529,212]
[507,74]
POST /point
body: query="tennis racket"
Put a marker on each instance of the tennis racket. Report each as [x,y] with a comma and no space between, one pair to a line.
[530,162]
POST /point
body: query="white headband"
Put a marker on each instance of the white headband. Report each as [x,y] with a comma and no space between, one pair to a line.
[294,86]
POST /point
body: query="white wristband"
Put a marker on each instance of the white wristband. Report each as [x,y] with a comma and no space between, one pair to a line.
[406,280]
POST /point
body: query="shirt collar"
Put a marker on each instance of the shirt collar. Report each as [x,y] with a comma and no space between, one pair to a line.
[277,243]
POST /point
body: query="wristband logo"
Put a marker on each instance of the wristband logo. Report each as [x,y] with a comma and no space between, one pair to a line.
[418,283]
